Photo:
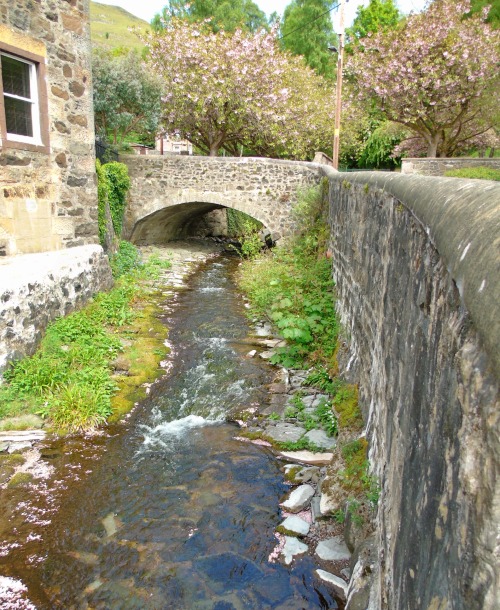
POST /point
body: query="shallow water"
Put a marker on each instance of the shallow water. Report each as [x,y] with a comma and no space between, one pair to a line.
[167,511]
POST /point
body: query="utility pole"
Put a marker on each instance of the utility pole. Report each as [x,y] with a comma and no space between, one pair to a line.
[338,103]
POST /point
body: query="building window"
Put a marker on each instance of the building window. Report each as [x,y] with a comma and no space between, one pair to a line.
[23,108]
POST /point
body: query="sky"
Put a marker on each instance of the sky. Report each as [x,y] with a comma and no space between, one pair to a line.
[146,9]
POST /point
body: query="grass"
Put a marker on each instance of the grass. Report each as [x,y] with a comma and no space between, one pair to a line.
[478,173]
[109,27]
[70,380]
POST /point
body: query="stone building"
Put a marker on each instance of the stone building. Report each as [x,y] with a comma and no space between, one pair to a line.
[48,195]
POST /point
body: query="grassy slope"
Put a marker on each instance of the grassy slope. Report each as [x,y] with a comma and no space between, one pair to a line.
[114,21]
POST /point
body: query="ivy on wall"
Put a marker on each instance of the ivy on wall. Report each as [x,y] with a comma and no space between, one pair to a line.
[113,184]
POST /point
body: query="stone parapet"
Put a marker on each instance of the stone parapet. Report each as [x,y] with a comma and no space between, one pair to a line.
[415,261]
[38,288]
[438,166]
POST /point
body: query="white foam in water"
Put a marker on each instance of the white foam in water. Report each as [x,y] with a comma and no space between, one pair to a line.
[177,428]
[211,289]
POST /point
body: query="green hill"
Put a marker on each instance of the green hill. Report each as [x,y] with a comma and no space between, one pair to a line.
[109,27]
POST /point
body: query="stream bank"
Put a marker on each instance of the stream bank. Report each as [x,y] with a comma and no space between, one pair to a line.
[84,515]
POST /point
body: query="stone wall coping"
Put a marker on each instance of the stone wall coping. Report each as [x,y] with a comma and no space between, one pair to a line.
[462,219]
[222,160]
[17,271]
[451,159]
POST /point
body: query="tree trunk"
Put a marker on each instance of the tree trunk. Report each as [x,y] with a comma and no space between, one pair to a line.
[432,145]
[214,149]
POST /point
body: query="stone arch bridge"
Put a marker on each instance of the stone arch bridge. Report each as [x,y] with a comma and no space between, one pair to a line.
[170,195]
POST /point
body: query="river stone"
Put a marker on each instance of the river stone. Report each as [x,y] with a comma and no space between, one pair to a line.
[296,525]
[19,446]
[284,432]
[328,503]
[321,439]
[3,446]
[310,473]
[293,547]
[333,549]
[299,498]
[307,457]
[339,585]
[313,400]
[315,510]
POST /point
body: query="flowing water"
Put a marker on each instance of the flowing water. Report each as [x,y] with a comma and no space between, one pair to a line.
[166,511]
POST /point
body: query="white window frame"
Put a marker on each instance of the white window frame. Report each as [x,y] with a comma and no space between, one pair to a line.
[36,138]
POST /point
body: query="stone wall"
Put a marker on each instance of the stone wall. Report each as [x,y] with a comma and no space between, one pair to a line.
[170,193]
[48,196]
[437,166]
[37,288]
[415,261]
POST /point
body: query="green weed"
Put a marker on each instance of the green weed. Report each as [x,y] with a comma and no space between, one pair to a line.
[480,173]
[69,380]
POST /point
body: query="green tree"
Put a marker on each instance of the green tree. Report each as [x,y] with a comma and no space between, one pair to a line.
[127,98]
[307,30]
[493,12]
[379,15]
[224,91]
[221,14]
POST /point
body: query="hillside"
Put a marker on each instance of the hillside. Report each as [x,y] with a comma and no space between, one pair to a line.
[109,27]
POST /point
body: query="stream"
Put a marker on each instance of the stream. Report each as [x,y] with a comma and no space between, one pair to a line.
[165,510]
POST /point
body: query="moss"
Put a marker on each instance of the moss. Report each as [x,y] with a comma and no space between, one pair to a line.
[20,479]
[21,422]
[353,476]
[144,354]
[347,408]
[292,473]
[282,530]
[14,459]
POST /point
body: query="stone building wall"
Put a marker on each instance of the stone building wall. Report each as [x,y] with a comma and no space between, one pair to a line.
[415,261]
[48,195]
[169,193]
[437,166]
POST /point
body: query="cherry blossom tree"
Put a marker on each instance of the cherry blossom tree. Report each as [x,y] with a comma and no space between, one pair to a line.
[437,75]
[224,91]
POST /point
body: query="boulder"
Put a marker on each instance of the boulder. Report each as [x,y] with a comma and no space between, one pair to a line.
[337,583]
[293,547]
[333,549]
[296,525]
[299,499]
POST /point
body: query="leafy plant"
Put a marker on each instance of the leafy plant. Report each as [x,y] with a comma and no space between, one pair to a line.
[118,185]
[125,259]
[327,418]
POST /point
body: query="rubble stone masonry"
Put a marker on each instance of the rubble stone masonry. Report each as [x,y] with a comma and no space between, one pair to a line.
[48,194]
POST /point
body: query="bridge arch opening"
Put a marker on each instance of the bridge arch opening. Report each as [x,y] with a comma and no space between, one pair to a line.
[192,219]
